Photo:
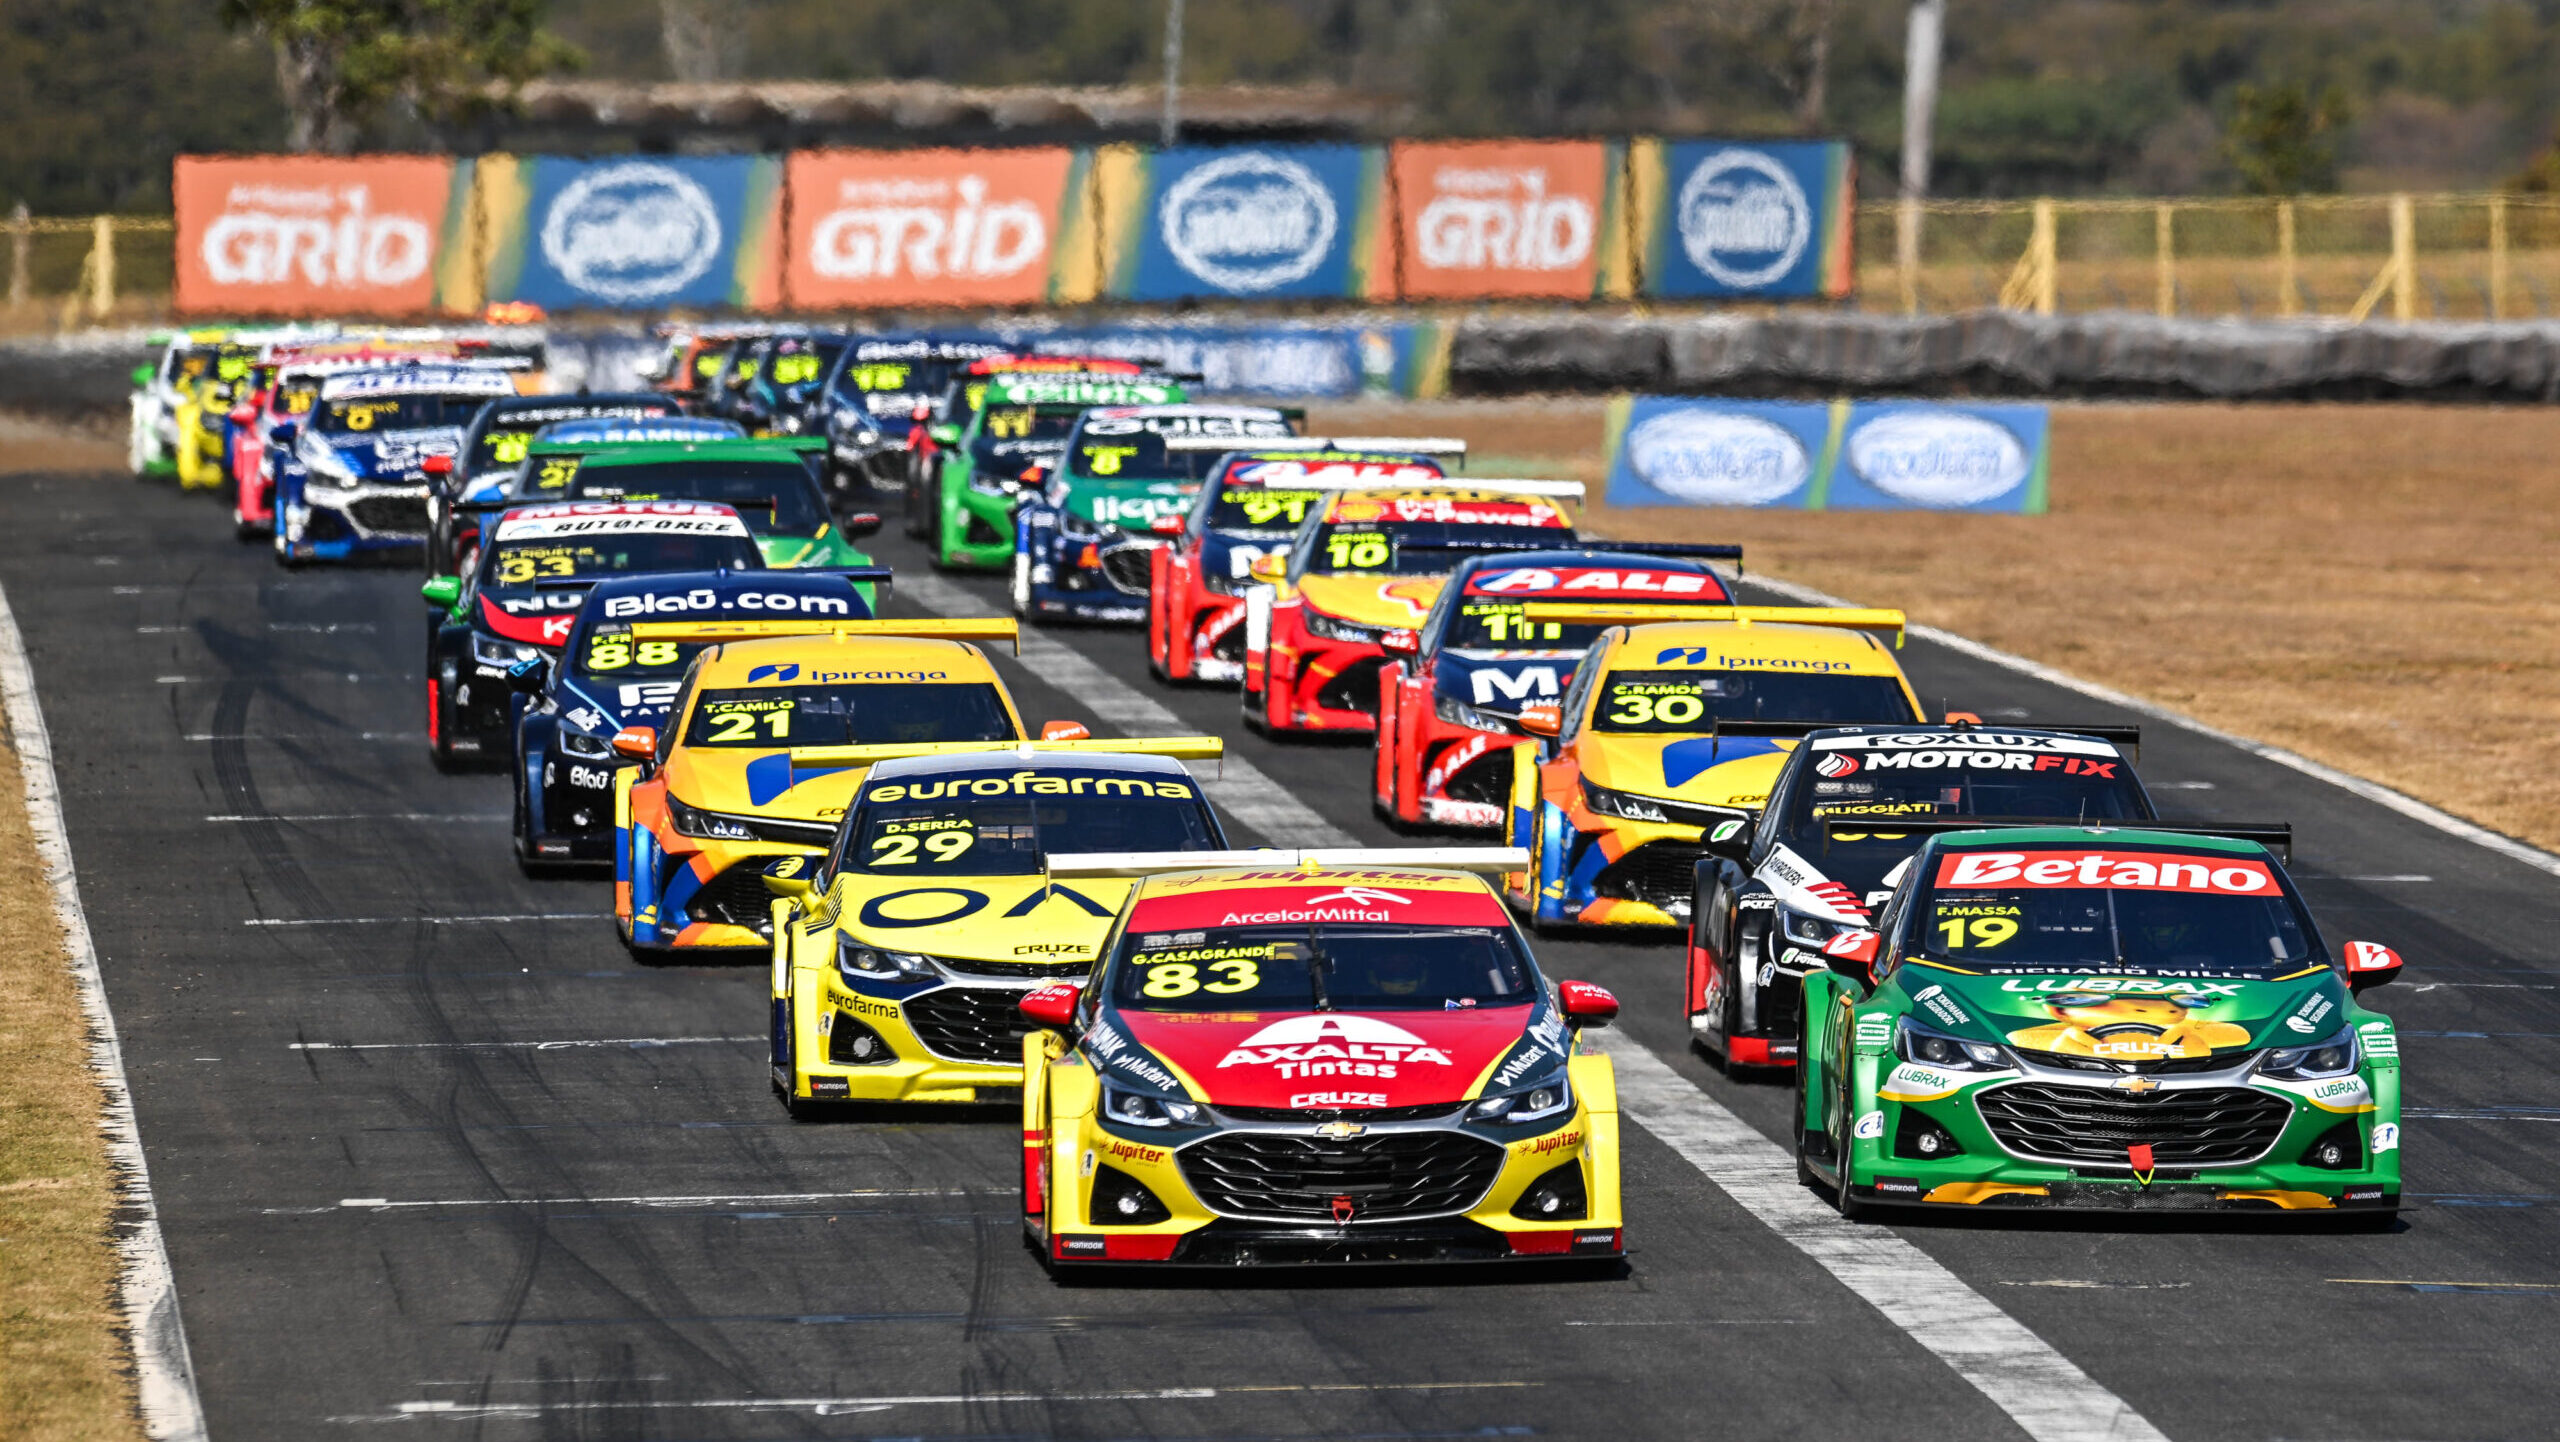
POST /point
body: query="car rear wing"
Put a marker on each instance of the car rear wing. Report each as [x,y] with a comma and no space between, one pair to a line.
[1500,486]
[990,628]
[1482,860]
[1392,445]
[1179,748]
[2128,737]
[1638,613]
[2275,836]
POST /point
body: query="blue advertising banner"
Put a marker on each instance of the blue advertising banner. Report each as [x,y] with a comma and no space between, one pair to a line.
[647,231]
[1747,219]
[1866,455]
[1253,221]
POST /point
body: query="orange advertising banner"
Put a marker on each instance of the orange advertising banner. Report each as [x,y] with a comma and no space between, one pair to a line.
[923,227]
[1499,218]
[307,235]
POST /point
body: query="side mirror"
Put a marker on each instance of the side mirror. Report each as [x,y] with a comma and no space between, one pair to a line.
[1853,954]
[1542,718]
[437,466]
[640,743]
[861,524]
[142,375]
[790,877]
[1052,1006]
[1166,525]
[1729,839]
[442,591]
[1064,731]
[1585,1004]
[1269,568]
[1400,642]
[2370,964]
[943,434]
[528,678]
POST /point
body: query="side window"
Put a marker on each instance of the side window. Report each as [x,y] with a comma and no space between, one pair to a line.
[1889,925]
[1437,623]
[1585,676]
[679,713]
[1780,806]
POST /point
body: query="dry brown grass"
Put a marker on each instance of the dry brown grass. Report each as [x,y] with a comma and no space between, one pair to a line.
[2368,585]
[64,1366]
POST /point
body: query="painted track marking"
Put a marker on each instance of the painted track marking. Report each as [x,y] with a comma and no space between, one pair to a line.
[438,1409]
[602,1041]
[385,1204]
[480,920]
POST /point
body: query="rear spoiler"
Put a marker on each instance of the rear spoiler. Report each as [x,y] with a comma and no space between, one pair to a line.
[1636,613]
[2275,836]
[2128,737]
[974,629]
[1482,860]
[1397,445]
[1180,748]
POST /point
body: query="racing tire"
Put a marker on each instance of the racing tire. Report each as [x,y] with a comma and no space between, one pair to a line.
[1843,1200]
[1804,1165]
[1253,713]
[248,532]
[440,724]
[1018,591]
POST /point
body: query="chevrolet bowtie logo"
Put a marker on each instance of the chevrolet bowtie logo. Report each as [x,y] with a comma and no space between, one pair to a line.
[2138,1085]
[1339,1131]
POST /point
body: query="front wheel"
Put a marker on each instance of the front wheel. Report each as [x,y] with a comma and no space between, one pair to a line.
[440,724]
[1843,1135]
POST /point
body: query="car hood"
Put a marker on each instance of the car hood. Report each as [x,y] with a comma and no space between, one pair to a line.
[1304,1060]
[2127,1018]
[1709,770]
[1502,681]
[1386,601]
[746,781]
[1016,919]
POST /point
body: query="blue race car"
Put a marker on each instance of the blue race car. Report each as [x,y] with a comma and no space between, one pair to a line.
[564,758]
[356,468]
[869,401]
[1083,543]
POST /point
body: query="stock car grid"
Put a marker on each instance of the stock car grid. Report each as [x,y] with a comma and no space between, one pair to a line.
[430,1149]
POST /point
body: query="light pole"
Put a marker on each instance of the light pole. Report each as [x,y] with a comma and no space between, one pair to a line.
[1919,115]
[1172,72]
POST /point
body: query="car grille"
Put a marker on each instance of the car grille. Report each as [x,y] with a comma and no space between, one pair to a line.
[1662,873]
[1486,779]
[1049,970]
[981,1024]
[2170,1066]
[736,897]
[1354,687]
[789,833]
[2092,1126]
[1336,1114]
[404,515]
[1127,569]
[1387,1176]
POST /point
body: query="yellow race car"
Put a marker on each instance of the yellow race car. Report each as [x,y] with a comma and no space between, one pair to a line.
[899,958]
[1316,1057]
[1669,738]
[751,764]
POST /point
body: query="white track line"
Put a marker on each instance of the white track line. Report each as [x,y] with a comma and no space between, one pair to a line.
[573,1045]
[404,817]
[164,1375]
[1237,785]
[439,1410]
[2051,1399]
[2373,791]
[508,918]
[385,1204]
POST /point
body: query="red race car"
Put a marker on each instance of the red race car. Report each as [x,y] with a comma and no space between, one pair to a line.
[1250,506]
[1366,563]
[1449,701]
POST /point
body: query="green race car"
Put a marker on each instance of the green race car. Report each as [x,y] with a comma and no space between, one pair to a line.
[2115,1019]
[1013,440]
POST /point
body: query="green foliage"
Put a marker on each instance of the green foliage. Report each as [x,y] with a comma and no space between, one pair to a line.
[341,63]
[2283,140]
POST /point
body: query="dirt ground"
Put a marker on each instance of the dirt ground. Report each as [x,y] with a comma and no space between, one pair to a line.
[2369,585]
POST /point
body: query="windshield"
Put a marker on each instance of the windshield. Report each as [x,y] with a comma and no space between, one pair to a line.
[1935,781]
[800,363]
[797,510]
[1013,431]
[397,413]
[510,435]
[1132,448]
[1415,548]
[2120,909]
[294,399]
[1323,968]
[892,387]
[853,714]
[1000,824]
[1491,625]
[607,652]
[518,565]
[1678,702]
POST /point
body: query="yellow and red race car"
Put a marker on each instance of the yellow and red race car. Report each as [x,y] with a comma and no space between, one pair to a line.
[751,765]
[899,958]
[1316,1057]
[1365,563]
[1670,736]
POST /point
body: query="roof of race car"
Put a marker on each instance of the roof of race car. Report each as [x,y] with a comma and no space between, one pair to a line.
[1009,762]
[1471,572]
[724,594]
[853,658]
[1011,389]
[1862,738]
[1245,896]
[1188,410]
[1012,363]
[593,405]
[636,430]
[2013,838]
[451,380]
[1731,645]
[927,348]
[1445,505]
[588,518]
[628,453]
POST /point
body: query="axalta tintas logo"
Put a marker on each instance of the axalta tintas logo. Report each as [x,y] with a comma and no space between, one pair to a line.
[1937,458]
[1744,221]
[1718,458]
[1249,222]
[636,231]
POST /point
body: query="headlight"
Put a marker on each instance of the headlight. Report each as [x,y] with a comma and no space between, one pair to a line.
[694,821]
[1459,713]
[872,964]
[1913,1042]
[579,743]
[1222,585]
[1323,625]
[1806,930]
[2333,1056]
[1630,807]
[491,651]
[326,466]
[1529,1104]
[1143,1109]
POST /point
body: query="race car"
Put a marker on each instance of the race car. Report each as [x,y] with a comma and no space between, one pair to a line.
[602,683]
[200,421]
[1014,441]
[159,389]
[522,598]
[1449,697]
[1365,563]
[871,398]
[1769,895]
[751,765]
[495,443]
[768,482]
[934,433]
[1303,1057]
[901,959]
[1083,542]
[1250,507]
[1670,731]
[2102,1017]
[781,388]
[285,399]
[354,473]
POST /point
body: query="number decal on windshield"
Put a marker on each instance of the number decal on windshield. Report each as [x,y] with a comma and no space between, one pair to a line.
[1988,931]
[1171,979]
[517,569]
[1107,460]
[735,728]
[1676,709]
[1362,552]
[1263,508]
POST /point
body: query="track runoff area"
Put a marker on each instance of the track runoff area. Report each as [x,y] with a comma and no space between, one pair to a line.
[430,1149]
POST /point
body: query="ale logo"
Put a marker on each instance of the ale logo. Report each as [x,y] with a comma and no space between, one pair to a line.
[1718,458]
[1744,221]
[636,231]
[779,671]
[1937,458]
[1249,222]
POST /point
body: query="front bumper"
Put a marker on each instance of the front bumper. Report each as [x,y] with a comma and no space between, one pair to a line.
[569,811]
[1080,576]
[1618,872]
[1314,683]
[977,528]
[333,524]
[950,1042]
[695,893]
[1450,775]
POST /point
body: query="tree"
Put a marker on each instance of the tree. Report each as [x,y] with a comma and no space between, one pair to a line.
[2283,140]
[340,62]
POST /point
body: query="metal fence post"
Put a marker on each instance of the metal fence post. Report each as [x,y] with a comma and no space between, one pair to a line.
[1906,252]
[2048,259]
[2404,259]
[2497,257]
[2288,272]
[2165,249]
[102,295]
[21,235]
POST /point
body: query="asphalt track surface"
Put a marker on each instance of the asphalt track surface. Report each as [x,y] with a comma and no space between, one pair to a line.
[432,1151]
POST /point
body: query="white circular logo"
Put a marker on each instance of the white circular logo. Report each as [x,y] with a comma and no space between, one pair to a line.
[1249,222]
[1744,222]
[1717,458]
[1937,458]
[637,231]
